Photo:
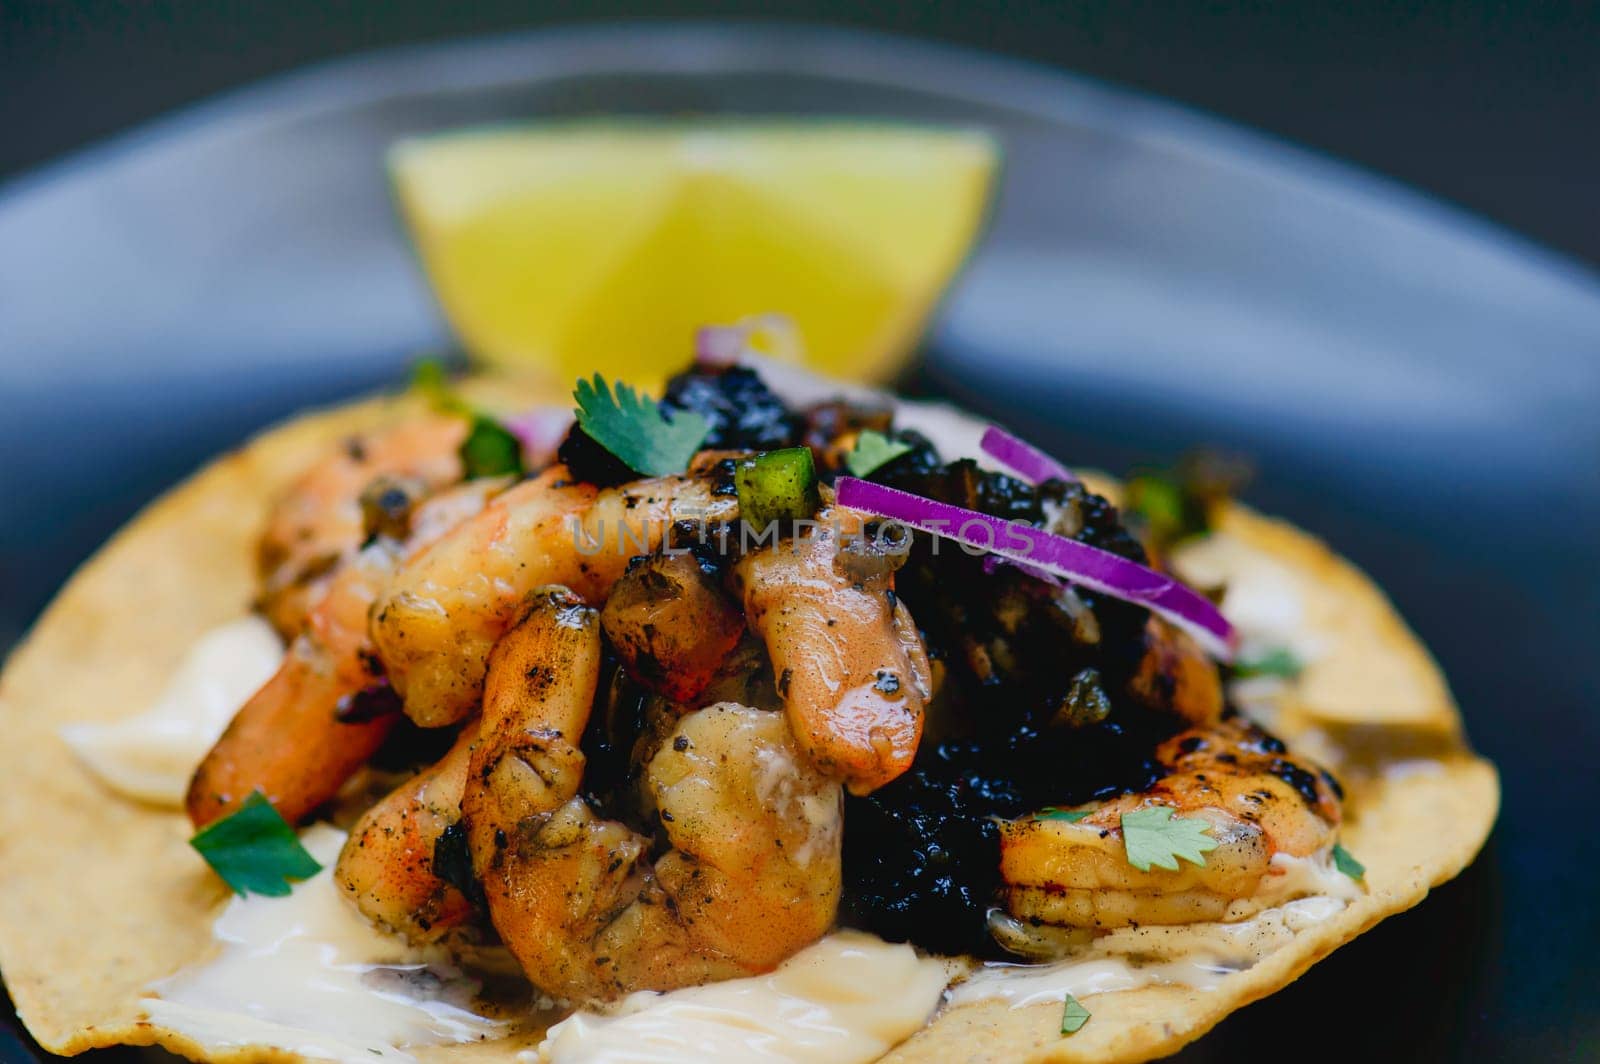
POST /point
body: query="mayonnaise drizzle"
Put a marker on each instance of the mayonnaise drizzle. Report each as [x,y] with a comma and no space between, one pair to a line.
[1200,956]
[150,757]
[1289,878]
[1262,597]
[848,999]
[308,974]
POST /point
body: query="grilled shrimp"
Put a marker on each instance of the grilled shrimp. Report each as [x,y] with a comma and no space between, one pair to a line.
[672,624]
[290,740]
[435,624]
[319,522]
[850,664]
[753,872]
[387,864]
[1176,676]
[1259,802]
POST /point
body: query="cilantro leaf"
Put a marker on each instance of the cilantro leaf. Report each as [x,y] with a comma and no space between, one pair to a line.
[1073,1016]
[490,450]
[1280,661]
[1153,836]
[1071,816]
[1158,503]
[634,428]
[254,849]
[1177,504]
[1345,862]
[873,449]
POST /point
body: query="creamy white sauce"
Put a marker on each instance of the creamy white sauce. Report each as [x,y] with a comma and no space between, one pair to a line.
[308,974]
[1036,984]
[1262,598]
[150,757]
[1406,768]
[846,1000]
[1264,601]
[1290,878]
[1199,956]
[1193,955]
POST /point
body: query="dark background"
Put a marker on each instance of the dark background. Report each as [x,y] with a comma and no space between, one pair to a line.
[1494,104]
[1495,107]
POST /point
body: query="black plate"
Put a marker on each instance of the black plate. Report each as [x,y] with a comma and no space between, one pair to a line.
[1418,386]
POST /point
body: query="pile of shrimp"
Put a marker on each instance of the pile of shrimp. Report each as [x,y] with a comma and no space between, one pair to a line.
[484,606]
[774,681]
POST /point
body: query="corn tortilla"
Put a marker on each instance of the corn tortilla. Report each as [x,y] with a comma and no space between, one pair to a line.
[101,896]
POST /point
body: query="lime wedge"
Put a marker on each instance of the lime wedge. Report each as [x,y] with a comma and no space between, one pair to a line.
[602,246]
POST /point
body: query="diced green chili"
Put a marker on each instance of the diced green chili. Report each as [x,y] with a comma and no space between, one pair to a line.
[777,486]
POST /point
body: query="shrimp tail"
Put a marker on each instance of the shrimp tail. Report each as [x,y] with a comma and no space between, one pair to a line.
[295,776]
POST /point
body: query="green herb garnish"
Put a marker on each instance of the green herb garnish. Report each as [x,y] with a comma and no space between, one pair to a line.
[1157,502]
[872,450]
[1071,816]
[1346,863]
[1153,836]
[1178,504]
[490,450]
[1279,662]
[633,428]
[1073,1016]
[777,486]
[254,850]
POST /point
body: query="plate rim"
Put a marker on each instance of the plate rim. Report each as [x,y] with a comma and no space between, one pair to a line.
[693,46]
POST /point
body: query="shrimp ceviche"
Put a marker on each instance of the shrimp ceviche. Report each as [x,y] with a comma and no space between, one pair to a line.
[732,725]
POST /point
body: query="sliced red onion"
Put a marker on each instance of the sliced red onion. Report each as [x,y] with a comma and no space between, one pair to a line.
[1023,458]
[1031,464]
[994,562]
[1079,563]
[540,431]
[719,346]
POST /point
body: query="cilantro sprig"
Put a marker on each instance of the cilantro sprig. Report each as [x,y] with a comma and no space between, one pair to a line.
[1156,502]
[1073,1016]
[1173,505]
[632,427]
[254,850]
[490,449]
[872,450]
[1071,816]
[1153,836]
[1345,862]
